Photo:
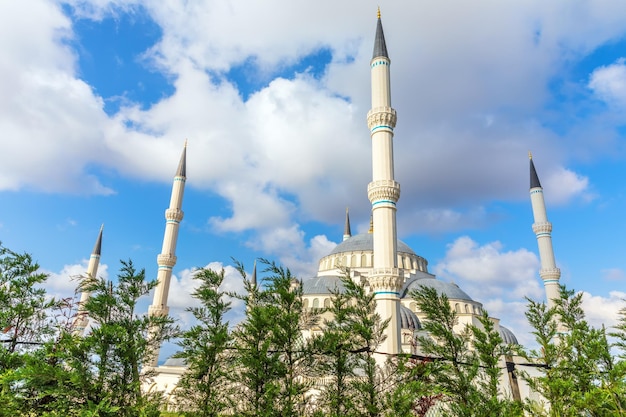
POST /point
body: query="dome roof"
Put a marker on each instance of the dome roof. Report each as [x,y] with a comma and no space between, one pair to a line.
[322,285]
[408,319]
[452,291]
[365,242]
[171,361]
[508,336]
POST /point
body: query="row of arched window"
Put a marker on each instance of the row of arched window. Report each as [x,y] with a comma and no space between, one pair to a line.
[366,260]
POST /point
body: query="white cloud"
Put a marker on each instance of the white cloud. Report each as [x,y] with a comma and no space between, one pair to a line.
[488,271]
[562,185]
[609,83]
[465,85]
[601,310]
[63,284]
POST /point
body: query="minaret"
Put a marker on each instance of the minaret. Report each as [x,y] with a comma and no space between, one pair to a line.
[549,273]
[82,319]
[167,259]
[347,233]
[383,192]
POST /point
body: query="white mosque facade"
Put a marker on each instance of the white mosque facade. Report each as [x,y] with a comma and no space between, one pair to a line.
[387,266]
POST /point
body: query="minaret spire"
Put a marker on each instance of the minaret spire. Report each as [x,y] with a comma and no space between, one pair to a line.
[167,259]
[347,233]
[386,278]
[81,321]
[549,273]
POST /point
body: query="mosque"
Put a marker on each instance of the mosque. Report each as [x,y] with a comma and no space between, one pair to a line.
[387,266]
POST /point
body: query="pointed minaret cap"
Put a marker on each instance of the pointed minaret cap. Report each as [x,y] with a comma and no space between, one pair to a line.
[182,165]
[253,279]
[347,233]
[534,179]
[98,246]
[371,230]
[380,47]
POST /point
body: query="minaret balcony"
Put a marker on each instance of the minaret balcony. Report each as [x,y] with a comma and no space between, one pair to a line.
[166,259]
[383,190]
[175,215]
[381,117]
[386,279]
[542,228]
[550,273]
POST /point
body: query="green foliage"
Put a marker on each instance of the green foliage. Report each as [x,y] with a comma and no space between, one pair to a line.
[580,374]
[205,389]
[465,365]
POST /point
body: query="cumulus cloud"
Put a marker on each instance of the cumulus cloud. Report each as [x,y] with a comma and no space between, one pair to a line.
[297,150]
[562,185]
[63,284]
[488,271]
[609,83]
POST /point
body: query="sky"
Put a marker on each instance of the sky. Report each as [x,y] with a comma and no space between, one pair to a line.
[98,97]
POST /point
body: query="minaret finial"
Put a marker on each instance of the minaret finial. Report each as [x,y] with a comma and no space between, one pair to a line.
[185,142]
[530,155]
[378,12]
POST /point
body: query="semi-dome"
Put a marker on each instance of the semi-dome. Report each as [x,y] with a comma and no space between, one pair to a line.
[508,336]
[452,291]
[365,242]
[408,319]
[322,285]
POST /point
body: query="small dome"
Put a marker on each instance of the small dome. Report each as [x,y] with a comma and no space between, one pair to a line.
[321,285]
[365,242]
[408,319]
[180,362]
[508,336]
[452,291]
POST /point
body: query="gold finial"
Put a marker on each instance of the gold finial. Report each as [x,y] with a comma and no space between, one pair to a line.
[378,13]
[371,224]
[530,155]
[185,143]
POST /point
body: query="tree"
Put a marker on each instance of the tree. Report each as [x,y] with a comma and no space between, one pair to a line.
[464,364]
[283,299]
[205,389]
[580,374]
[25,309]
[257,363]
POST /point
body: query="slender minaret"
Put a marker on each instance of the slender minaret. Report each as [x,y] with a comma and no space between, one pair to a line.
[383,192]
[347,233]
[82,319]
[549,273]
[167,259]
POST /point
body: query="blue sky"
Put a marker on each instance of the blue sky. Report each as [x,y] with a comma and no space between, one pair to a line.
[97,98]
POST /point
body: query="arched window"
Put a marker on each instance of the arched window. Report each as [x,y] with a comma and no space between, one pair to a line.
[326,302]
[352,261]
[305,303]
[457,308]
[363,260]
[467,310]
[316,303]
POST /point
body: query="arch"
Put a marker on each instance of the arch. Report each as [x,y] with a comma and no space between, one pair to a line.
[316,303]
[363,260]
[305,303]
[326,302]
[457,307]
[352,261]
[467,310]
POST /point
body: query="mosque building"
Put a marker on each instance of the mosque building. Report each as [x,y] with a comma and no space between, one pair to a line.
[387,266]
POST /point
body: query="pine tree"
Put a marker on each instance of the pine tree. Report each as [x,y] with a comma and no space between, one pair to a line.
[205,389]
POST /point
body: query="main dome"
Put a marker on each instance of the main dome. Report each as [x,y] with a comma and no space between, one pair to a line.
[452,291]
[365,242]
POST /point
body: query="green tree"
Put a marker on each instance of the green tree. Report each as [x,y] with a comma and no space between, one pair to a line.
[580,375]
[257,363]
[284,302]
[205,388]
[465,362]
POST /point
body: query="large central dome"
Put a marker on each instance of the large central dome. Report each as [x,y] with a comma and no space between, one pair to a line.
[357,252]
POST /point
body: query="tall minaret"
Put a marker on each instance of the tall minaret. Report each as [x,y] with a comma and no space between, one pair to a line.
[82,319]
[549,273]
[383,192]
[167,259]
